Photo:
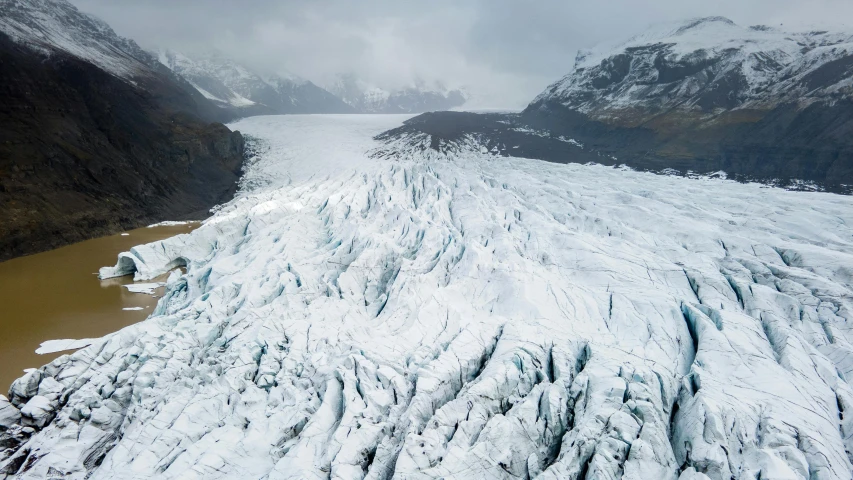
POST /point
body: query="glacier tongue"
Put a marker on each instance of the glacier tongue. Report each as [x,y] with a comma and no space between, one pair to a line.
[413,315]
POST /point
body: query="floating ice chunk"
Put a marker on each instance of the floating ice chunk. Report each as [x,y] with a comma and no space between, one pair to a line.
[130,309]
[172,223]
[147,288]
[53,346]
[125,234]
[154,259]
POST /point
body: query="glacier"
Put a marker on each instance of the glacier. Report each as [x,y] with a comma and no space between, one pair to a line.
[377,310]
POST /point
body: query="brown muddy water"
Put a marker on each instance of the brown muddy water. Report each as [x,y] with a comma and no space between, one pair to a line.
[57,294]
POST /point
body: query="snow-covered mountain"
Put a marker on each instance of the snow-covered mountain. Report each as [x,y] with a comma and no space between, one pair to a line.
[368,310]
[708,95]
[239,89]
[417,98]
[704,96]
[57,26]
[706,66]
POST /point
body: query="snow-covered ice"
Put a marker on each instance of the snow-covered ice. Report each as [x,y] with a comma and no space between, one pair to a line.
[53,346]
[378,311]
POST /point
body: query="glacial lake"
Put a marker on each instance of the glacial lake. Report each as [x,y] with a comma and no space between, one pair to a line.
[57,295]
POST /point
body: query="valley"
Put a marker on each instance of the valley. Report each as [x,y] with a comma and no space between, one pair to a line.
[645,271]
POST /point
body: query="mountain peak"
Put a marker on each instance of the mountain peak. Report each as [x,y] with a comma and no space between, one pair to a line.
[51,26]
[704,22]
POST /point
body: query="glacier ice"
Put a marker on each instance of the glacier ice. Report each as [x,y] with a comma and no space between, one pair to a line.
[377,311]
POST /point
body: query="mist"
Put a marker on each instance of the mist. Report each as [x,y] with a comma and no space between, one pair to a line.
[503,52]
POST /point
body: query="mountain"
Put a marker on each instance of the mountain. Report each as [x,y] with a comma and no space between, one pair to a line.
[704,96]
[703,70]
[709,95]
[381,310]
[95,135]
[50,26]
[243,92]
[415,99]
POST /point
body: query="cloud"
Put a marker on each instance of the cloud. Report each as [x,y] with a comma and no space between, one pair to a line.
[503,51]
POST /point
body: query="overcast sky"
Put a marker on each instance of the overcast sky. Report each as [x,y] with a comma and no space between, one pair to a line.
[503,51]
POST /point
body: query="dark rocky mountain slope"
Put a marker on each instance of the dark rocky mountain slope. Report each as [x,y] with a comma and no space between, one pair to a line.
[95,135]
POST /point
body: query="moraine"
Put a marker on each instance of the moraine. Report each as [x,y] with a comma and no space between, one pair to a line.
[378,310]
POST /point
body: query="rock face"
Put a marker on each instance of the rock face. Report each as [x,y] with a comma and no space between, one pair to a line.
[242,92]
[96,135]
[377,310]
[708,95]
[415,99]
